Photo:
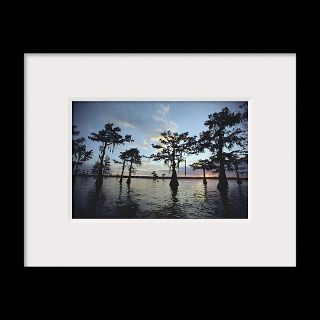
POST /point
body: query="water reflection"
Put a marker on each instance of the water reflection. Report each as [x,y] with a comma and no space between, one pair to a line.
[95,200]
[174,207]
[120,192]
[171,208]
[126,207]
[155,199]
[201,192]
[205,192]
[225,202]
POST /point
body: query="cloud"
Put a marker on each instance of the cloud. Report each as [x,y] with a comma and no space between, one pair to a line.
[125,124]
[160,117]
[149,120]
[90,128]
[161,112]
[155,138]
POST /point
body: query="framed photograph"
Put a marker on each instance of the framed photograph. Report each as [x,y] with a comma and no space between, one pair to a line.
[134,163]
[160,160]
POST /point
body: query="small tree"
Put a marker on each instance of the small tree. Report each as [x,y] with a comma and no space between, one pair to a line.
[80,154]
[124,156]
[204,165]
[110,138]
[172,148]
[105,169]
[123,162]
[133,157]
[154,175]
[235,161]
[75,144]
[223,134]
[163,175]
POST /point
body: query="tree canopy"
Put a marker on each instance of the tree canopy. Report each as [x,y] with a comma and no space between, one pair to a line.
[110,137]
[225,134]
[173,146]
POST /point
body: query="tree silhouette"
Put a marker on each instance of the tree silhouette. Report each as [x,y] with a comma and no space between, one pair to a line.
[105,169]
[237,157]
[75,132]
[224,133]
[154,175]
[123,162]
[80,154]
[133,157]
[75,145]
[172,147]
[236,160]
[110,138]
[204,165]
[244,108]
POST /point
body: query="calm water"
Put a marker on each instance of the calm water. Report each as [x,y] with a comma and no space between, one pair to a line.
[154,199]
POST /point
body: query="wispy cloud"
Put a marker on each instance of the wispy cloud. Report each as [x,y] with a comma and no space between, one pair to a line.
[161,112]
[125,124]
[90,128]
[160,117]
[149,121]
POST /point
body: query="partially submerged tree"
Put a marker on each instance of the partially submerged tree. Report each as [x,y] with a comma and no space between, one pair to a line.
[133,157]
[75,144]
[80,154]
[224,133]
[204,165]
[105,168]
[239,157]
[125,157]
[236,161]
[154,175]
[123,162]
[110,138]
[172,148]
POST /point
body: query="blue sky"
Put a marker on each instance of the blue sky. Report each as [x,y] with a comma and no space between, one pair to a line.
[144,120]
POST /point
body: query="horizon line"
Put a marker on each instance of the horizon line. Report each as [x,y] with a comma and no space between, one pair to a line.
[159,177]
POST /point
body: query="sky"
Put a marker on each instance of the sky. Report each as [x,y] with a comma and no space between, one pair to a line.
[144,121]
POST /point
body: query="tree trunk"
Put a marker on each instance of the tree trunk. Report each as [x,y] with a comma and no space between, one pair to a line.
[223,182]
[76,169]
[123,165]
[77,165]
[75,175]
[99,179]
[237,172]
[130,168]
[174,179]
[204,176]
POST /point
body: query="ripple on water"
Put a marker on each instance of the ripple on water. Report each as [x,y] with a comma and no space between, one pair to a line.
[150,199]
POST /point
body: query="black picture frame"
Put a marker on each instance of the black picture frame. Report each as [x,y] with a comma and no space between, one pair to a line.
[299,276]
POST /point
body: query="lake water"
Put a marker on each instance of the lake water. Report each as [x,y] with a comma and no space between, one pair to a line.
[147,198]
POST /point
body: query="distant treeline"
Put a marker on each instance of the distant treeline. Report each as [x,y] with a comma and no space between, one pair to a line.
[158,178]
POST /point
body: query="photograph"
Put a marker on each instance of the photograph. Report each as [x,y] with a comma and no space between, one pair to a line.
[159,159]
